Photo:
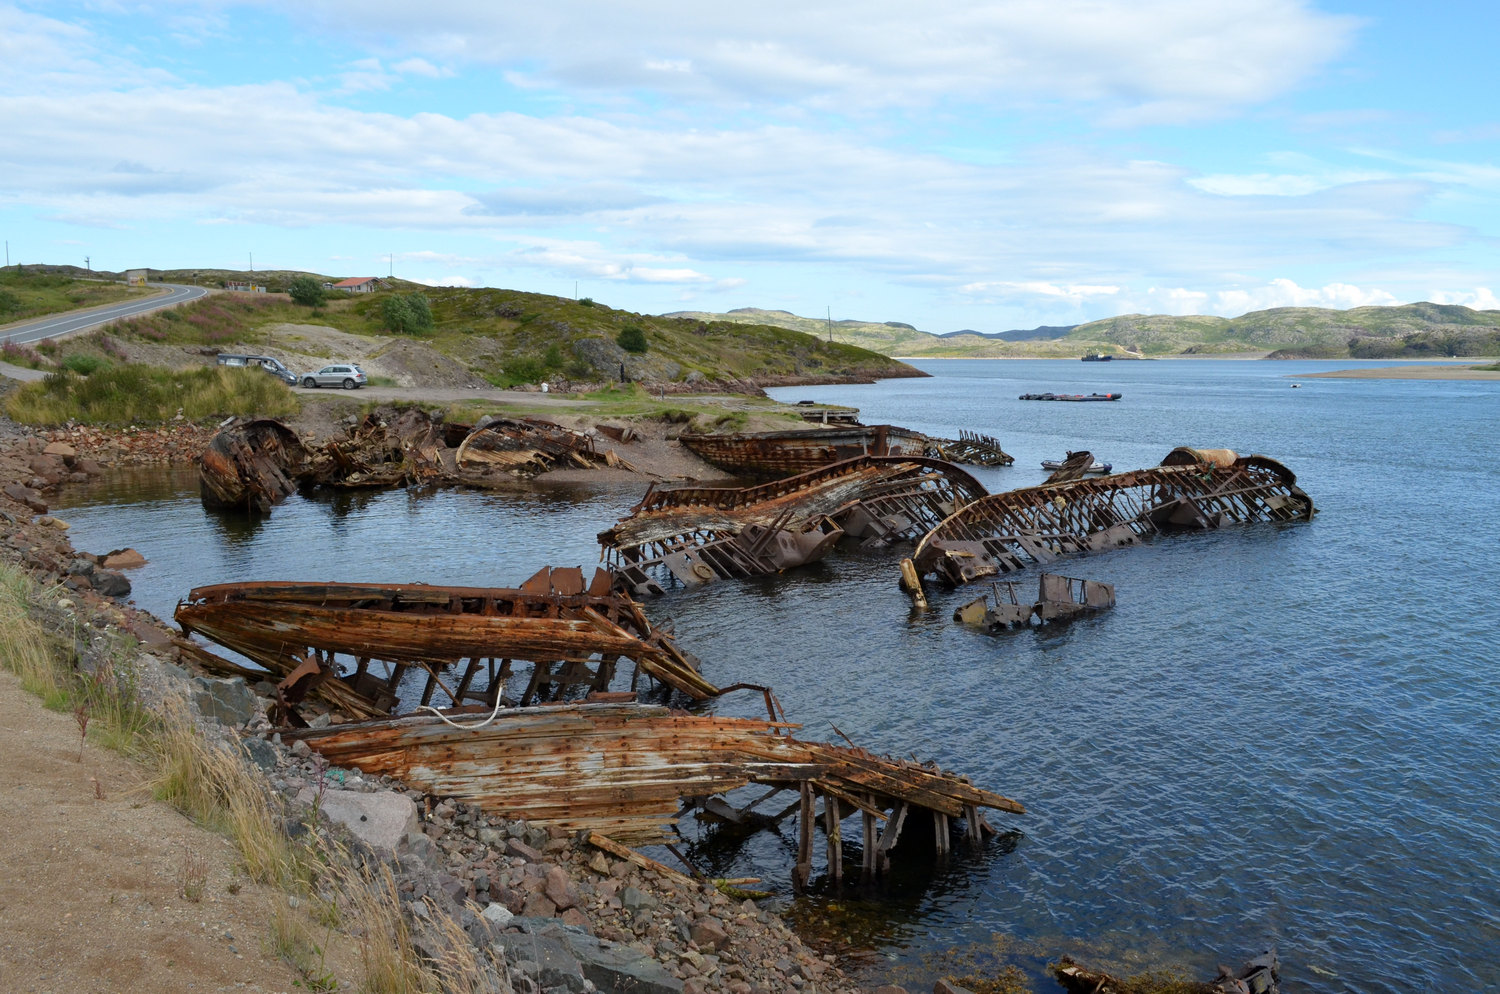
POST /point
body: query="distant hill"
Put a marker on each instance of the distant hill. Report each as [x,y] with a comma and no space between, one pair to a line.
[1408,331]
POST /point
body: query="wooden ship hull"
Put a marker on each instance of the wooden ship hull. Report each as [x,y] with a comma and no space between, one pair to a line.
[367,649]
[629,771]
[701,534]
[776,454]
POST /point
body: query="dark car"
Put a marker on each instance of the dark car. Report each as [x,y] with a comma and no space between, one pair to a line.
[265,362]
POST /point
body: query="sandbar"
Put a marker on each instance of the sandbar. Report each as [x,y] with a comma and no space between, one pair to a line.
[1408,373]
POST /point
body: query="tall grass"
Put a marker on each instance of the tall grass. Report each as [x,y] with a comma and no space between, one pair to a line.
[134,394]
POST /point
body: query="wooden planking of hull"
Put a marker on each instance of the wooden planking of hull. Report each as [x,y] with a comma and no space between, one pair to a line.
[572,637]
[700,534]
[777,454]
[1192,489]
[625,769]
[250,466]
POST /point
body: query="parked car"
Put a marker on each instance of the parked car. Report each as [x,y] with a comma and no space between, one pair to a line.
[265,362]
[343,374]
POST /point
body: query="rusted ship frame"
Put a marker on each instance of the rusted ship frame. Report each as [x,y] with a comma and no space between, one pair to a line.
[701,534]
[1192,489]
[777,454]
[250,466]
[1059,598]
[463,645]
[969,449]
[630,771]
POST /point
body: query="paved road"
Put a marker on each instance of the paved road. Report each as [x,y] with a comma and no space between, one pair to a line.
[59,325]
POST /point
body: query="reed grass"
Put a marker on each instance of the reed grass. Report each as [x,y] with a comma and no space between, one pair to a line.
[133,394]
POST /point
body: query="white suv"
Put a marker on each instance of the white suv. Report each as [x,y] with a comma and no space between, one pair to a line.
[346,375]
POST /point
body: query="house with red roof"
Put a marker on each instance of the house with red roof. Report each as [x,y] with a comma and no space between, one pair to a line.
[358,284]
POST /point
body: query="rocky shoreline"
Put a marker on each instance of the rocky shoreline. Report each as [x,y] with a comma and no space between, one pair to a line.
[549,913]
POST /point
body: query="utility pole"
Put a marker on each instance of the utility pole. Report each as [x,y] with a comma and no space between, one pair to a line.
[830,325]
[391,263]
[88,264]
[252,262]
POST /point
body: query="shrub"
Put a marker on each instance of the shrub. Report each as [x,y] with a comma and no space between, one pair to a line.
[632,339]
[134,394]
[587,301]
[84,365]
[9,302]
[407,314]
[306,290]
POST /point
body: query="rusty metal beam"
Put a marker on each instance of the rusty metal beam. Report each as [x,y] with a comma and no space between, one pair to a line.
[1003,532]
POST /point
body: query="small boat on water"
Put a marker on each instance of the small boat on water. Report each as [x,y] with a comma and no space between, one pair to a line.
[1097,467]
[1071,396]
[1098,357]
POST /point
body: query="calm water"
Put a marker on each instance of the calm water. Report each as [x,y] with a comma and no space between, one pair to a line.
[1282,735]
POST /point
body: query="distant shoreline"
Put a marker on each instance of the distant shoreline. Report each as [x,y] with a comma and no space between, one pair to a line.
[1406,373]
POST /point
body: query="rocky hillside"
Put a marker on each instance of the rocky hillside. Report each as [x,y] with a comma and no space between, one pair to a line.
[508,338]
[1421,330]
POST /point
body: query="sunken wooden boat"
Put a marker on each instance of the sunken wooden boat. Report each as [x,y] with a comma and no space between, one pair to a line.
[777,454]
[371,648]
[630,771]
[1193,489]
[700,534]
[250,466]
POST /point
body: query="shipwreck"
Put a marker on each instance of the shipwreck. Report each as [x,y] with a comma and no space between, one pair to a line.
[700,534]
[777,454]
[254,465]
[630,772]
[365,648]
[1058,599]
[1193,489]
[250,466]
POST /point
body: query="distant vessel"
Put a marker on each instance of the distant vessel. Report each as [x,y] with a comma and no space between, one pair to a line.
[1096,467]
[1071,396]
[1097,357]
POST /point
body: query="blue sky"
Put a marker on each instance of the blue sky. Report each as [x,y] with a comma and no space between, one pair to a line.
[950,165]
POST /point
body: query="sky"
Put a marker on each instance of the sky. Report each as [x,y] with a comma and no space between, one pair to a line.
[950,165]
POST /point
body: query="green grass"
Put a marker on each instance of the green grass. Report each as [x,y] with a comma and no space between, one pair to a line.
[25,295]
[134,394]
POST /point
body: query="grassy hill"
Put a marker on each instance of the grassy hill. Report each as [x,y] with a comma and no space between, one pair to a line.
[1409,331]
[509,337]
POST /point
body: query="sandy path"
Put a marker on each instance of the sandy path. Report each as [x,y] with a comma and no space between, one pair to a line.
[91,889]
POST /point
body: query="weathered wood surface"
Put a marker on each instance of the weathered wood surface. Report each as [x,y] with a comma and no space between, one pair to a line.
[623,769]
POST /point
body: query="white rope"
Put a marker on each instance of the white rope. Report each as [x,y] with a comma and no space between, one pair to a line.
[464,728]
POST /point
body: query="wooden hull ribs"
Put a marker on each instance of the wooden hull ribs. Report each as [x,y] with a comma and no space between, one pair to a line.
[779,454]
[629,771]
[1193,489]
[700,534]
[368,649]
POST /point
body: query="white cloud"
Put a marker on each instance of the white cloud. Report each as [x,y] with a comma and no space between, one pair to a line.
[446,281]
[1286,293]
[1137,60]
[1481,298]
[1072,294]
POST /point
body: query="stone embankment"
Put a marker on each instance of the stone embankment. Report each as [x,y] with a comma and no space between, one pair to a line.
[550,915]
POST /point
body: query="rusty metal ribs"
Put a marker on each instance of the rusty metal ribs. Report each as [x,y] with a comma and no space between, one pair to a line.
[461,644]
[969,449]
[1193,489]
[777,454]
[701,534]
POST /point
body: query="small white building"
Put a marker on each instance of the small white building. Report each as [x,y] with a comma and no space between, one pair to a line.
[358,284]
